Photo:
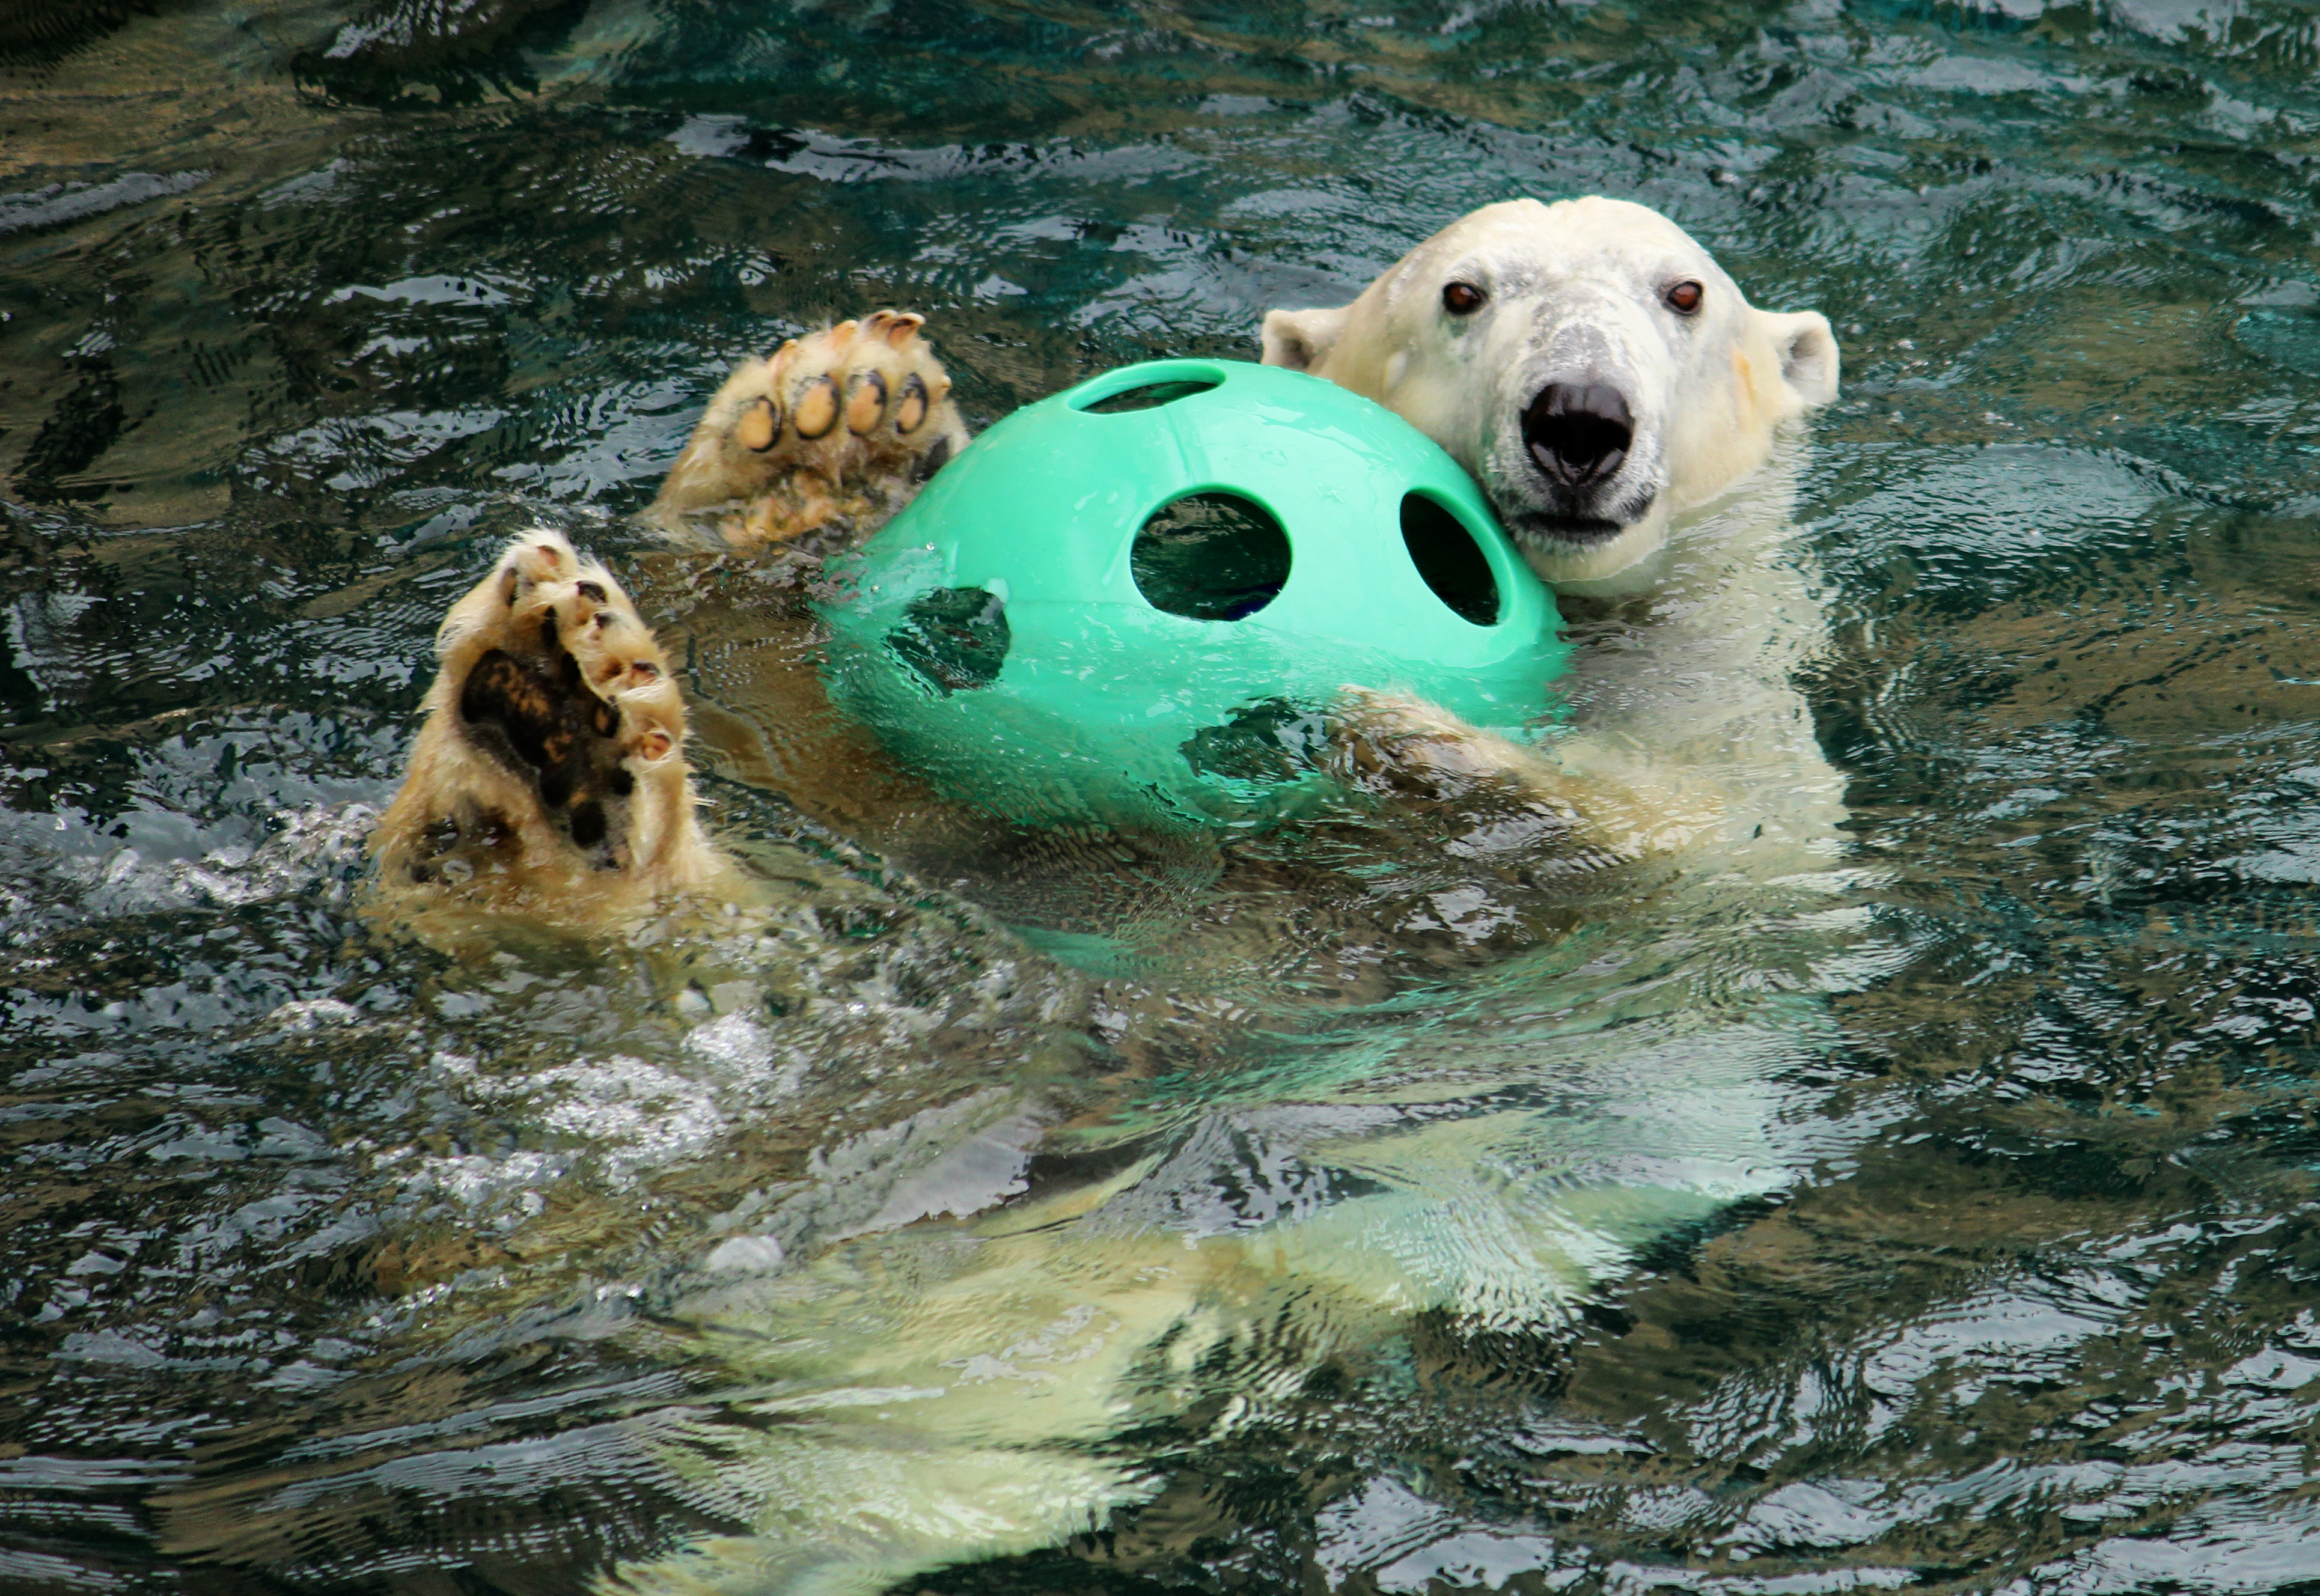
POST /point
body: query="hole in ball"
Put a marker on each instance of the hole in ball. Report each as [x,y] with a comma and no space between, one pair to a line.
[1449,559]
[1149,396]
[955,639]
[1210,556]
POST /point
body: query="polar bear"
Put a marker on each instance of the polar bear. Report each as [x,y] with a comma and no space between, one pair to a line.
[1588,362]
[900,1396]
[1618,400]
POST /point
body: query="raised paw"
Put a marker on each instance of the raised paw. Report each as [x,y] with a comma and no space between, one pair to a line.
[551,758]
[845,423]
[1396,745]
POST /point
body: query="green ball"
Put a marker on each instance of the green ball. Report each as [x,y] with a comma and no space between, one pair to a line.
[1135,600]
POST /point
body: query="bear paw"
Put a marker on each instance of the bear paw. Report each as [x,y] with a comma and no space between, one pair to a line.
[552,750]
[847,423]
[1396,746]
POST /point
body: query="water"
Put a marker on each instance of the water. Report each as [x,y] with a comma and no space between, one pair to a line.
[1353,1214]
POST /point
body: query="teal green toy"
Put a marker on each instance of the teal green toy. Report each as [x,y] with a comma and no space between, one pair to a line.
[1136,600]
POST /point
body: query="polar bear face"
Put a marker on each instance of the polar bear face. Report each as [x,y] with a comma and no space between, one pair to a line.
[1588,362]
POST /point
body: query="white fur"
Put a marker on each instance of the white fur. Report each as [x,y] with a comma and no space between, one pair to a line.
[1688,685]
[1574,289]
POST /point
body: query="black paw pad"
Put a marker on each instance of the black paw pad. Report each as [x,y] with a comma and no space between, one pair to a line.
[932,460]
[588,824]
[541,724]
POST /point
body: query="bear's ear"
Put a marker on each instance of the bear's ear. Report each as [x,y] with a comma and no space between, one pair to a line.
[1807,352]
[1303,339]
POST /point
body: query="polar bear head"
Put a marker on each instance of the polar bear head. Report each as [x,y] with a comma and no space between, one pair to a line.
[1588,362]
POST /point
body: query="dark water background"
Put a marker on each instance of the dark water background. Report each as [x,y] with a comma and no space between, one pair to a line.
[305,308]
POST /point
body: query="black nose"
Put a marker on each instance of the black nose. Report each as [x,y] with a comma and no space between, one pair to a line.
[1578,432]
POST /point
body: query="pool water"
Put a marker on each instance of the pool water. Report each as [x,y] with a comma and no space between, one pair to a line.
[1326,1208]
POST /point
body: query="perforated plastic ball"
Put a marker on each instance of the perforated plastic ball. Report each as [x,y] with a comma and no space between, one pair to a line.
[1137,598]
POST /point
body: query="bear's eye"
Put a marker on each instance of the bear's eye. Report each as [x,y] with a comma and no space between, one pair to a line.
[1684,298]
[1460,299]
